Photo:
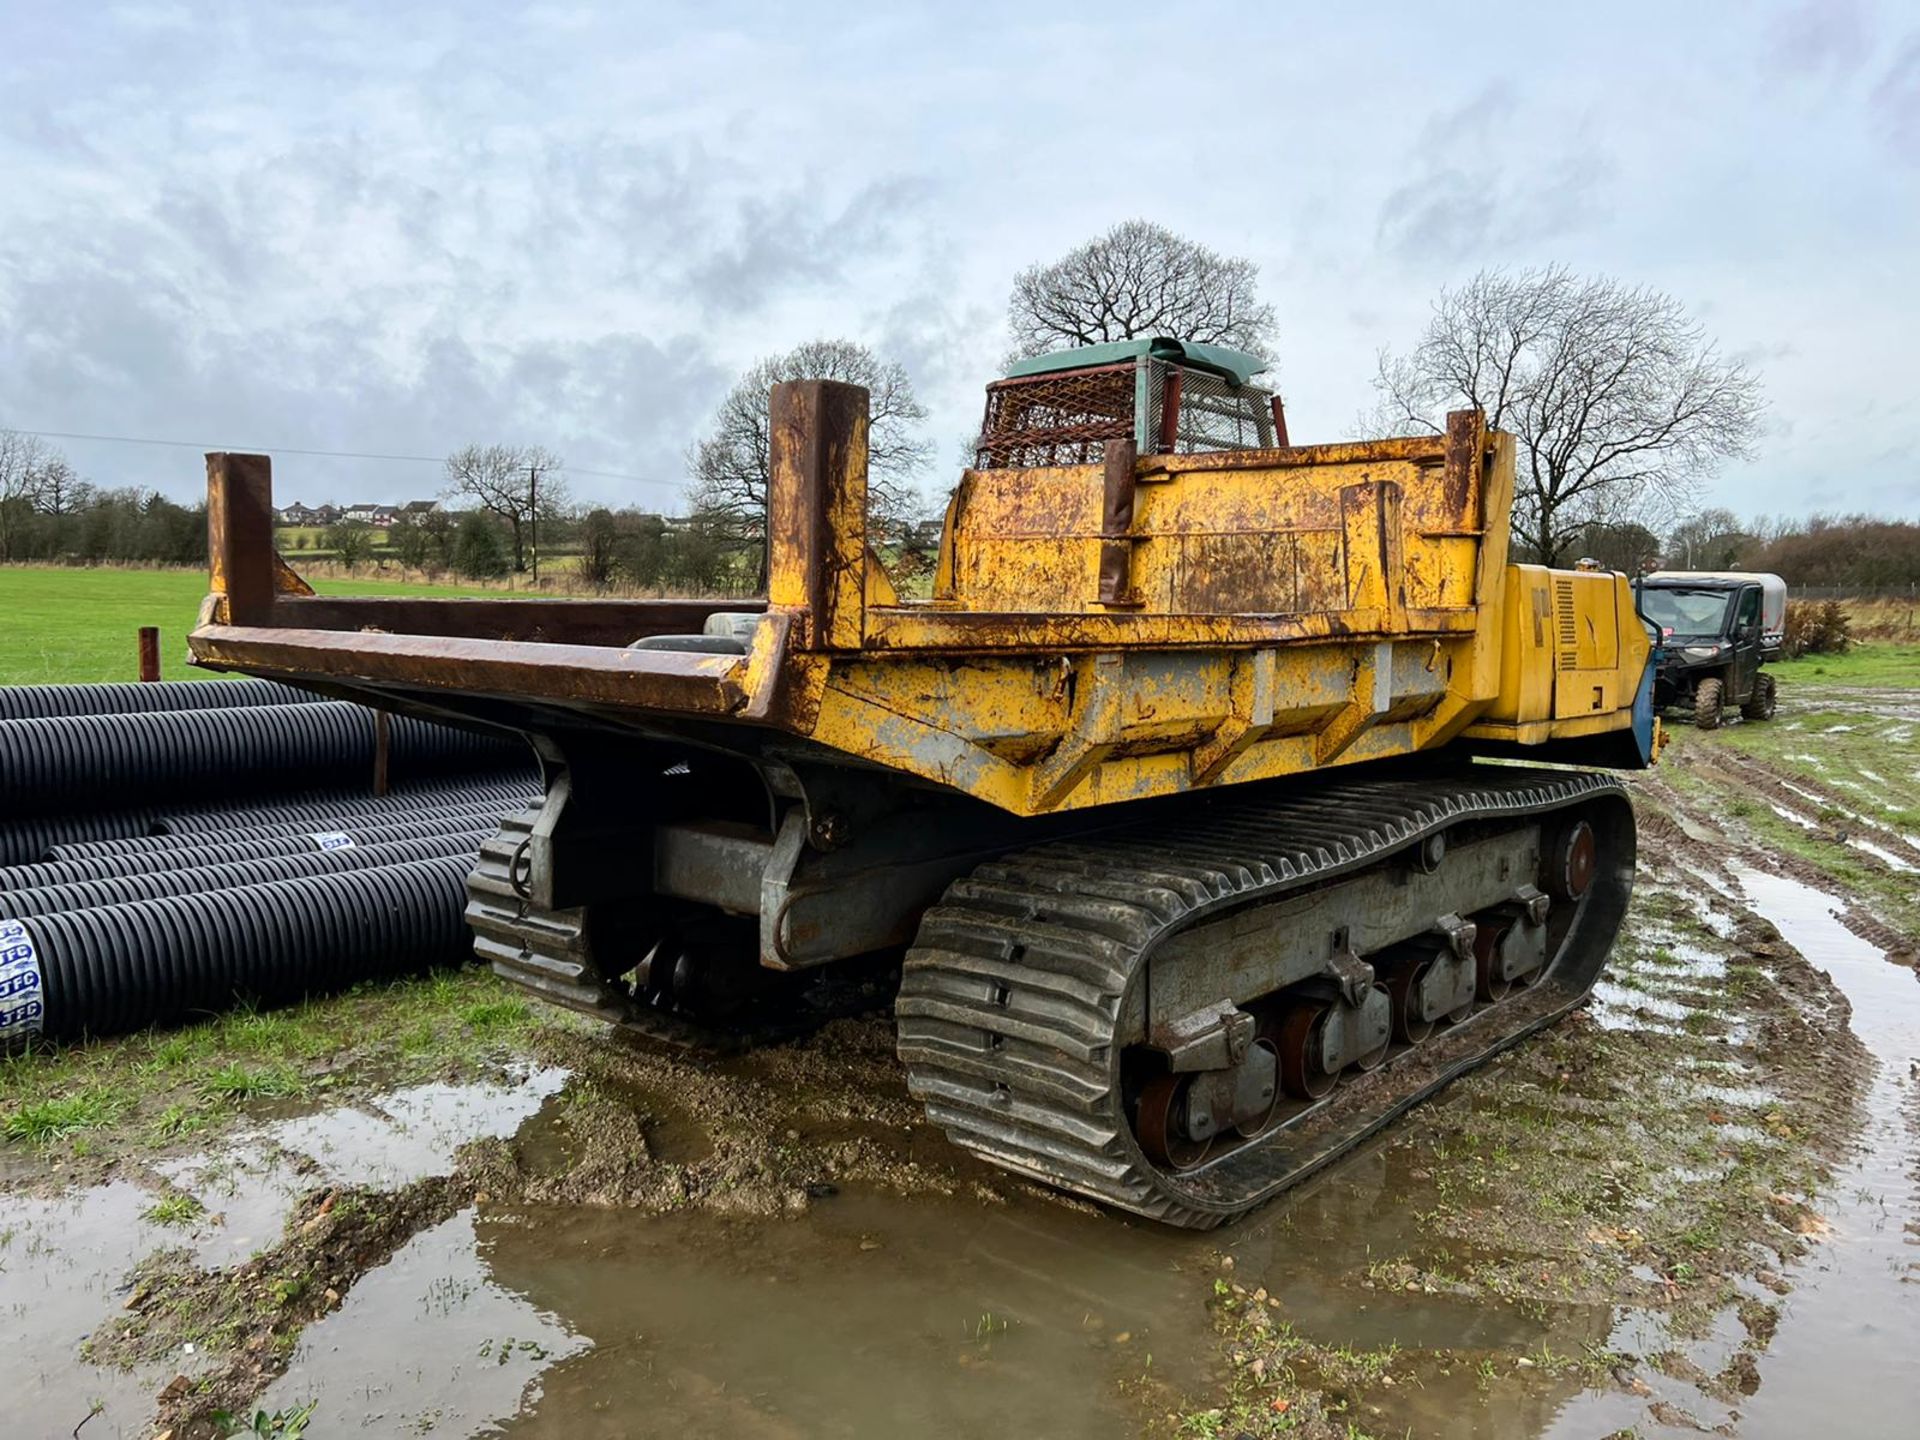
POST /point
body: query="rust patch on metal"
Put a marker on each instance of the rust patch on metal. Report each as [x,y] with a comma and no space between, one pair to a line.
[1462,460]
[656,680]
[240,533]
[817,509]
[1116,525]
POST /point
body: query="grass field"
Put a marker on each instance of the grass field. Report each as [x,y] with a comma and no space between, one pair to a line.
[65,625]
[1869,662]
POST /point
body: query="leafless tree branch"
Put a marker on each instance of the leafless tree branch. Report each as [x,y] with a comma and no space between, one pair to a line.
[1620,405]
[501,479]
[730,467]
[1137,280]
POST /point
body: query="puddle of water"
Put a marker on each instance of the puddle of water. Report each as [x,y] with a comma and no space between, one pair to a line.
[64,1262]
[61,1269]
[410,1134]
[472,1348]
[1882,854]
[1794,815]
[1849,1326]
[867,1316]
[248,1186]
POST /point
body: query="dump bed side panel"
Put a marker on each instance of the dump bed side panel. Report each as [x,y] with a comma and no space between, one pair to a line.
[1385,528]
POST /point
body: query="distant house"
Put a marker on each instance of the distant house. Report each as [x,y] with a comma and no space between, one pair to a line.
[420,509]
[298,514]
[381,515]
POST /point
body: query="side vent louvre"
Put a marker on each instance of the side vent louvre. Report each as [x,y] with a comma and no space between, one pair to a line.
[1569,629]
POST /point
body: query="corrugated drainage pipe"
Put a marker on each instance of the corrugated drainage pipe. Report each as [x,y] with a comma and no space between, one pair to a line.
[488,811]
[508,794]
[119,889]
[37,702]
[51,766]
[122,967]
[22,841]
[94,867]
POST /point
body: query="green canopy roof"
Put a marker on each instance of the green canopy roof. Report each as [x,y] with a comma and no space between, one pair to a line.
[1236,365]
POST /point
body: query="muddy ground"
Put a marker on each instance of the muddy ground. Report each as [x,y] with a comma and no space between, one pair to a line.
[430,1209]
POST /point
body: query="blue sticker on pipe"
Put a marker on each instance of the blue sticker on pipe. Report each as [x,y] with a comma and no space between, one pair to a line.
[22,1001]
[332,840]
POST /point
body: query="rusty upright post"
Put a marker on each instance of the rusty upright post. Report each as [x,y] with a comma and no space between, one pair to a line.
[1280,423]
[382,751]
[1116,526]
[1170,412]
[817,510]
[240,535]
[149,652]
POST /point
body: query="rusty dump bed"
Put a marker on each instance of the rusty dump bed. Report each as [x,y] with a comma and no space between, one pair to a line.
[1106,632]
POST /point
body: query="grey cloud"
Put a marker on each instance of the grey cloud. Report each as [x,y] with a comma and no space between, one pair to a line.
[782,242]
[1483,211]
[1822,38]
[1896,103]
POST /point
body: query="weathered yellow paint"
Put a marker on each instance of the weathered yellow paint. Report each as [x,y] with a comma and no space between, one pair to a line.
[1281,611]
[1297,609]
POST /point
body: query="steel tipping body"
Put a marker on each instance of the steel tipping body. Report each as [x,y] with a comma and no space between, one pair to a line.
[1142,627]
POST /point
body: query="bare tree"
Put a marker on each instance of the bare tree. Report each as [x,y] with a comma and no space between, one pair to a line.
[1713,539]
[1620,404]
[729,468]
[30,471]
[520,484]
[1138,280]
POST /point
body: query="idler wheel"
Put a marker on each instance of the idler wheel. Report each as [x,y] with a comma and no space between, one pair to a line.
[1573,855]
[1403,987]
[1297,1042]
[1487,984]
[1157,1122]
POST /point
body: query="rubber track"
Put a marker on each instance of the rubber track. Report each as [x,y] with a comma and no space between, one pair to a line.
[547,951]
[550,953]
[1013,991]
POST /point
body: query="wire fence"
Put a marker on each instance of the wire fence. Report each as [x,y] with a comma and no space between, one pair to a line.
[1908,592]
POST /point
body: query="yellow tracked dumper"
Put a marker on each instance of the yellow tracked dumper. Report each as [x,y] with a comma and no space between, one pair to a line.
[1185,814]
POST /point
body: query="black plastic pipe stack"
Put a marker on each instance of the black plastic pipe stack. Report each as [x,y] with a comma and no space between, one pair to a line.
[121,889]
[507,794]
[38,702]
[94,867]
[91,761]
[485,812]
[121,967]
[30,839]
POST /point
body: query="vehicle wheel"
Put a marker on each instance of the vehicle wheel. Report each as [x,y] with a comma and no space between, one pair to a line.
[1760,704]
[1706,704]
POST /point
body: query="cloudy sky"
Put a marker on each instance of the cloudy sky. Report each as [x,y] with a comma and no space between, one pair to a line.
[398,228]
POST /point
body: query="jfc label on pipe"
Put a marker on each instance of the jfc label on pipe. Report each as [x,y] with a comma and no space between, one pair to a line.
[22,1001]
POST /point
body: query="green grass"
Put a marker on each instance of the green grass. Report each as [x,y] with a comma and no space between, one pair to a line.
[237,1081]
[175,1208]
[69,625]
[162,1087]
[59,1116]
[1871,662]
